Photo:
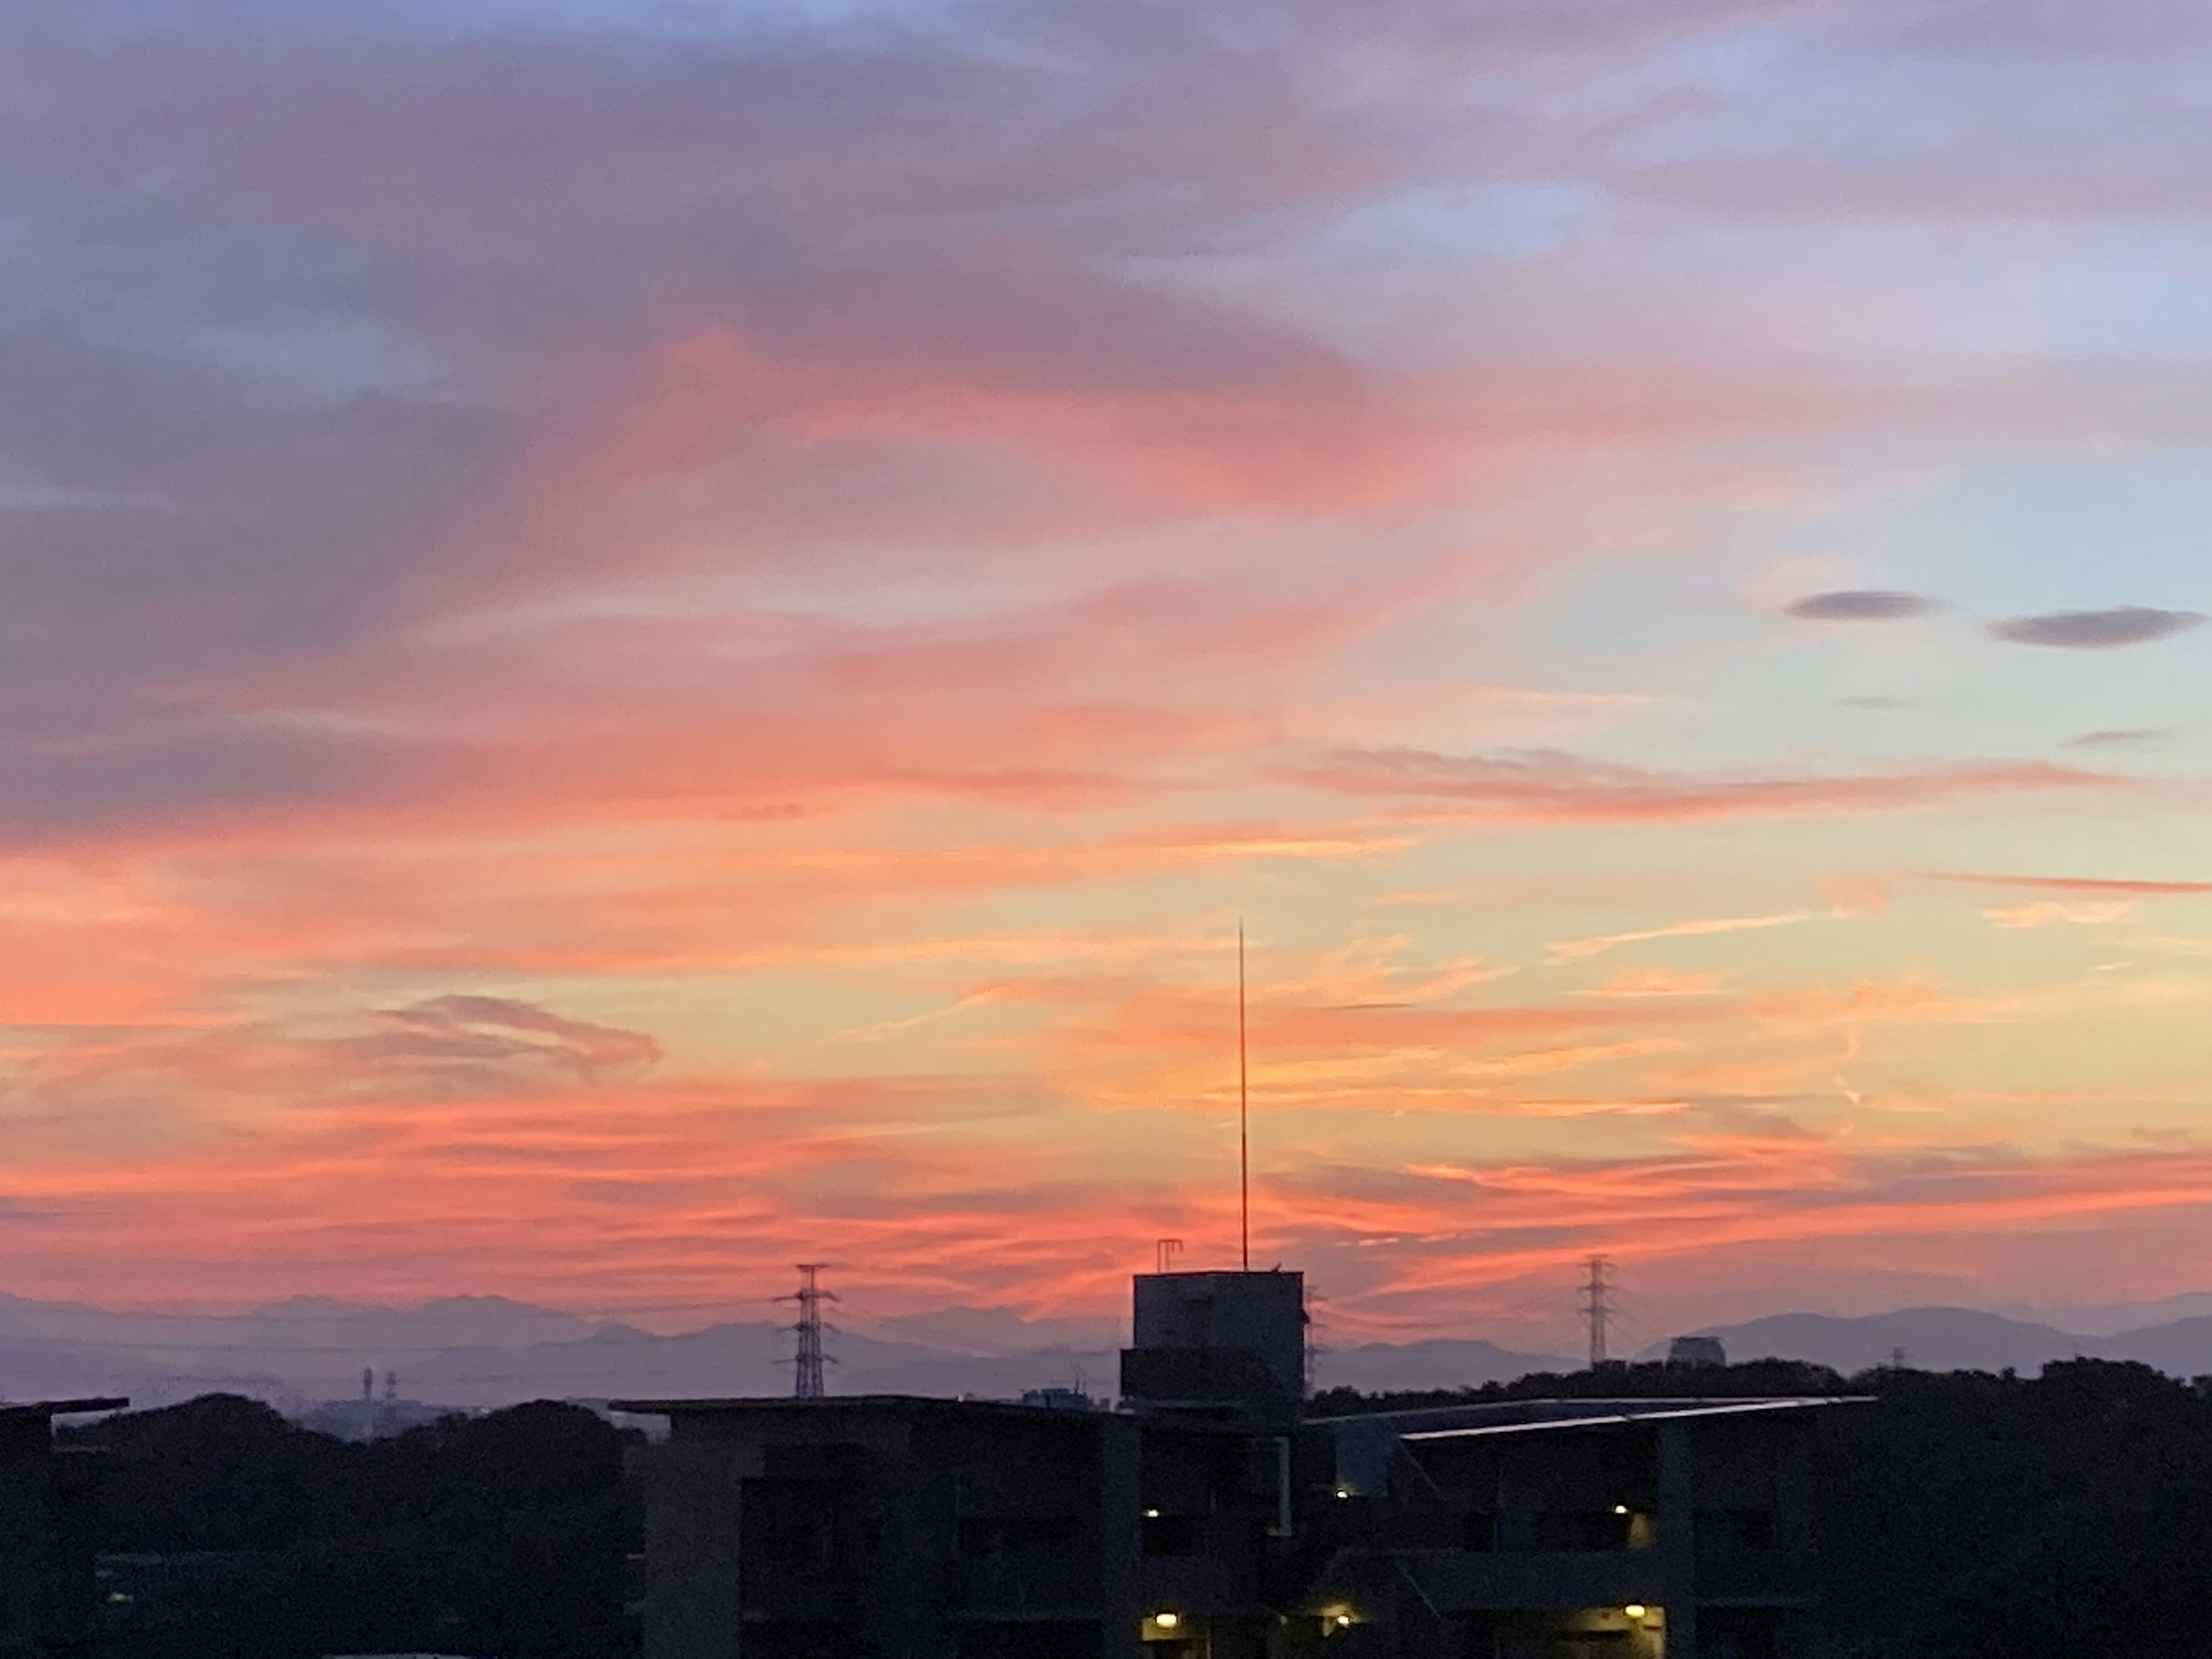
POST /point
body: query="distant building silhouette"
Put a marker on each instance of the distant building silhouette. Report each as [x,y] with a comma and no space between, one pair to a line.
[1696,1351]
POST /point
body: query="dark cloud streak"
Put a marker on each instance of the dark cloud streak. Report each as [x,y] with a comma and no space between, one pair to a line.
[2097,630]
[2131,737]
[1861,604]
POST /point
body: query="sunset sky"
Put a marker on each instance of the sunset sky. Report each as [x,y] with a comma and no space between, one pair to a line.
[644,642]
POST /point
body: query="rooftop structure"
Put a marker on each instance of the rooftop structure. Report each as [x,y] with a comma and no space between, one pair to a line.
[1229,1345]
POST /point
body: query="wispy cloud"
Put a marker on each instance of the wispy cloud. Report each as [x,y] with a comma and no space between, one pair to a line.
[2131,888]
[2047,913]
[1579,950]
[2129,737]
[1543,785]
[1640,982]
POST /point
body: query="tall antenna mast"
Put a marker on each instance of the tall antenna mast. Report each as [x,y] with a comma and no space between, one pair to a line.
[807,1379]
[1597,1306]
[1244,1114]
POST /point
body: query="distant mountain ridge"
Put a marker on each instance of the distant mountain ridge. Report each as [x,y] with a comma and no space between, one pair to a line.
[490,1350]
[1957,1338]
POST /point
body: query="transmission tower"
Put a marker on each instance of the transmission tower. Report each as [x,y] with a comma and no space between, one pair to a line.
[807,1380]
[1597,1306]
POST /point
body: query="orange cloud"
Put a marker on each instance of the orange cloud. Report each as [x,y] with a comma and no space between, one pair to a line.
[2076,884]
[1577,949]
[1655,982]
[2048,912]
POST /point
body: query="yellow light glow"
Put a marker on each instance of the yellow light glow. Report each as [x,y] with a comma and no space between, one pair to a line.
[1166,1618]
[1620,1509]
[1152,1515]
[1635,1609]
[1343,1620]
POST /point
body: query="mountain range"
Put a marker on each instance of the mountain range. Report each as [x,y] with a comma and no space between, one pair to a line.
[1959,1338]
[488,1351]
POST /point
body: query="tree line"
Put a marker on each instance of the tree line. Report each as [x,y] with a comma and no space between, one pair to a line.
[1966,1516]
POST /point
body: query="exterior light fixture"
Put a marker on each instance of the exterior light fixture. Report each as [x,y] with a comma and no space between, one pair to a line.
[1152,1515]
[1620,1509]
[1167,1619]
[1343,1620]
[1635,1609]
[1344,1491]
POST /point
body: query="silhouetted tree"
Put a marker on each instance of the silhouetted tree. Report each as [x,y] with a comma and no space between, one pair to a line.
[505,1534]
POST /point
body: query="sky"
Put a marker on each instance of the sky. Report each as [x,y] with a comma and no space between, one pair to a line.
[646,642]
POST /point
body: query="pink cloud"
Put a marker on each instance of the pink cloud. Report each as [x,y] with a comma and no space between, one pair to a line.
[513,529]
[1564,788]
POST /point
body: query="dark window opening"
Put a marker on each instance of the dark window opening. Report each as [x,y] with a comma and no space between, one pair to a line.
[793,1542]
[1736,1529]
[1580,1529]
[1736,1633]
[1031,1640]
[1020,1535]
[1481,1636]
[807,1640]
[797,1527]
[1174,1534]
[820,1461]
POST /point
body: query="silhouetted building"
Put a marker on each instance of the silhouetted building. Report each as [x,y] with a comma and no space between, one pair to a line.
[1225,1345]
[1206,1520]
[909,1528]
[1696,1351]
[1564,1529]
[50,1598]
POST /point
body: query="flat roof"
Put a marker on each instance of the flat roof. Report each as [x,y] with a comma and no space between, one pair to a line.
[882,1402]
[61,1408]
[915,1405]
[1667,1412]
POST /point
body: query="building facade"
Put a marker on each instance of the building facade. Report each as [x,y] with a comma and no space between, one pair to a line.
[889,1528]
[1209,1519]
[1578,1529]
[51,1606]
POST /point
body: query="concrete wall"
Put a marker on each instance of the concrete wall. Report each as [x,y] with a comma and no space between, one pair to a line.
[1261,1313]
